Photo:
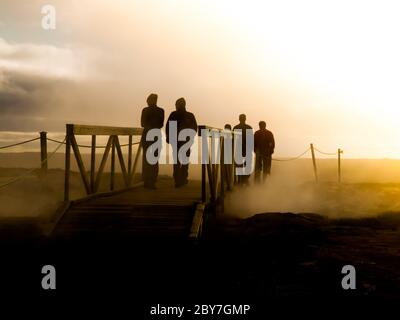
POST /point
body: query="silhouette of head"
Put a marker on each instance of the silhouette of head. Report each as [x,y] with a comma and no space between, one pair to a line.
[180,104]
[152,100]
[228,127]
[262,124]
[242,118]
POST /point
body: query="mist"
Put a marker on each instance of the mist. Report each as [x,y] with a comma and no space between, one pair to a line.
[369,188]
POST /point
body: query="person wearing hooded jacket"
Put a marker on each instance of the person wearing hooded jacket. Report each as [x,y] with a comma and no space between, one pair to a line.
[152,118]
[183,120]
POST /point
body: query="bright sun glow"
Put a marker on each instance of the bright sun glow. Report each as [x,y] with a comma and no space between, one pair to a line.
[326,72]
[346,51]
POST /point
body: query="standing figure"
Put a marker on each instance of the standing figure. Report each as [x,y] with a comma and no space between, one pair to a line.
[228,167]
[243,127]
[152,118]
[264,145]
[183,120]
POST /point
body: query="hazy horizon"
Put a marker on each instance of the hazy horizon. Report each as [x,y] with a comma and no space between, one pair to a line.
[316,72]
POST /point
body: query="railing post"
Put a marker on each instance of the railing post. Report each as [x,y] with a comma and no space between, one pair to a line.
[203,183]
[203,167]
[222,171]
[130,160]
[234,176]
[112,178]
[135,163]
[314,162]
[93,165]
[339,166]
[67,173]
[43,153]
[210,172]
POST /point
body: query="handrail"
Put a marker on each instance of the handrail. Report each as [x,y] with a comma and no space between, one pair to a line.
[86,146]
[205,127]
[27,173]
[220,175]
[19,143]
[202,127]
[216,174]
[92,183]
[88,130]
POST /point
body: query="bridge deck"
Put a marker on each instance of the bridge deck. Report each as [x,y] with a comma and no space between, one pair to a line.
[166,211]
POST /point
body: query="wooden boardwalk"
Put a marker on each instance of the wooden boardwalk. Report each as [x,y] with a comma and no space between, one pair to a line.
[164,212]
[136,211]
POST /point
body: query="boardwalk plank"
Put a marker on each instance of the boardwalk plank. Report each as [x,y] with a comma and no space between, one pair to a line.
[137,212]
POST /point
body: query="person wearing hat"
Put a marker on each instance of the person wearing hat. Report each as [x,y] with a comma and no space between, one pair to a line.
[152,118]
[183,120]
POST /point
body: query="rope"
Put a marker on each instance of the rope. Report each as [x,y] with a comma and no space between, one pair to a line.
[326,153]
[291,159]
[62,142]
[32,170]
[19,143]
[86,146]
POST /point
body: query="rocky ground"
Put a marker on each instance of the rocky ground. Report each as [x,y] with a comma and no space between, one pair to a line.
[303,254]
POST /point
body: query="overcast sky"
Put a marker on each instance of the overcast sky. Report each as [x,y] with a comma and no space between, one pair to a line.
[326,72]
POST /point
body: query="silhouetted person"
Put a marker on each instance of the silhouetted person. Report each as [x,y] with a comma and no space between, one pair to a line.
[243,126]
[264,145]
[228,167]
[228,127]
[184,120]
[152,118]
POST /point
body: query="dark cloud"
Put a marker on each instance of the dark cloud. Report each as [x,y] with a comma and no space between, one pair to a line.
[29,93]
[21,93]
[34,81]
[32,102]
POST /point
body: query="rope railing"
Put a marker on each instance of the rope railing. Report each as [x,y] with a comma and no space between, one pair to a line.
[32,170]
[291,159]
[19,143]
[60,143]
[136,143]
[48,157]
[87,146]
[326,153]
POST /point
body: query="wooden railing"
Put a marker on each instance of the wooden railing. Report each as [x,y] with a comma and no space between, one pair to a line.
[92,183]
[217,177]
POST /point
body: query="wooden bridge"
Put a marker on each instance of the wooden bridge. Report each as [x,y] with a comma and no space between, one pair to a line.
[134,211]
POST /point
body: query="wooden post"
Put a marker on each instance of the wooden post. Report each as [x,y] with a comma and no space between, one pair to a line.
[314,162]
[339,166]
[67,173]
[222,172]
[130,159]
[210,176]
[102,164]
[93,165]
[167,152]
[203,183]
[135,163]
[43,153]
[234,176]
[112,178]
[203,176]
[79,162]
[121,161]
